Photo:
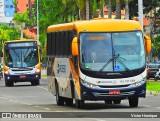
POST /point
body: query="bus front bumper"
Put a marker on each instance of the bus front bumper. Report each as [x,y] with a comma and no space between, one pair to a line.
[111,93]
[22,78]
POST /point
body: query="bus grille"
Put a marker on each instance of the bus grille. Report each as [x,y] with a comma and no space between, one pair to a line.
[97,94]
[114,86]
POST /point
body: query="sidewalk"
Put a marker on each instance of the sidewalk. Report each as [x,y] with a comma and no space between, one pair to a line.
[43,72]
[154,93]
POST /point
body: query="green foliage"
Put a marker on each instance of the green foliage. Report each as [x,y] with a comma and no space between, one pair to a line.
[156,45]
[15,2]
[20,18]
[54,12]
[8,33]
[32,18]
[147,4]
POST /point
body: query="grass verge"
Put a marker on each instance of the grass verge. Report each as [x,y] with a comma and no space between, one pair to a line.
[153,86]
[44,75]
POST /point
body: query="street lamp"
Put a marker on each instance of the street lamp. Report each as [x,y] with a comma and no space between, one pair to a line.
[37,23]
[140,12]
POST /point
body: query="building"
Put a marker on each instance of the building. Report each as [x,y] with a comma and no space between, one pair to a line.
[1,8]
[7,10]
[23,5]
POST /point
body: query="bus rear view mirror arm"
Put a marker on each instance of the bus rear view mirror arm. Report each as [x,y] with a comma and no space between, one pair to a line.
[147,43]
[75,46]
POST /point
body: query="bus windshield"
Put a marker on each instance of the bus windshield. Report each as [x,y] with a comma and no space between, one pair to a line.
[110,52]
[21,57]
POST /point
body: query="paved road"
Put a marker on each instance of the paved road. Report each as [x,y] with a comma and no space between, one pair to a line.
[26,98]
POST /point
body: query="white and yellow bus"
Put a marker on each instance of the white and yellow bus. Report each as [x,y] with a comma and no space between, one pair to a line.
[21,62]
[90,60]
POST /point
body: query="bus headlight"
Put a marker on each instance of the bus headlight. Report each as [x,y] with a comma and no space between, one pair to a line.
[38,70]
[87,84]
[139,83]
[6,72]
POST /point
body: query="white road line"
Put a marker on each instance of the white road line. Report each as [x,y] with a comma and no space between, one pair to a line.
[158,108]
[24,103]
[146,106]
[96,119]
[42,87]
[42,108]
[13,101]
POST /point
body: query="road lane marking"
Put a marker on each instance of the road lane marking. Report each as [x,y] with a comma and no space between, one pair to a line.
[24,103]
[146,106]
[42,88]
[42,108]
[96,119]
[158,108]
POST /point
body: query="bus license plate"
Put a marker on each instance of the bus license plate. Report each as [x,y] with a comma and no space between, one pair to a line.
[114,92]
[22,77]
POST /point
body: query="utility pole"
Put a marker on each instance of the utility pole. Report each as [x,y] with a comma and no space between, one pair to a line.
[37,23]
[87,10]
[140,12]
[109,9]
[126,10]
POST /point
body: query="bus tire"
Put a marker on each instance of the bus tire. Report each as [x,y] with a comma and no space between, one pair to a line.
[108,102]
[59,100]
[69,101]
[117,101]
[79,103]
[133,102]
[9,83]
[35,82]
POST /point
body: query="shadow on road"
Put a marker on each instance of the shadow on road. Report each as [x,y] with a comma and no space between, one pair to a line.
[88,107]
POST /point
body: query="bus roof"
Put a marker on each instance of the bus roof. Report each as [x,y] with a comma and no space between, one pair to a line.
[97,25]
[23,40]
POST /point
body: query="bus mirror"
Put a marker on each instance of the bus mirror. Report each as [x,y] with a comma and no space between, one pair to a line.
[148,43]
[74,46]
[40,53]
[1,54]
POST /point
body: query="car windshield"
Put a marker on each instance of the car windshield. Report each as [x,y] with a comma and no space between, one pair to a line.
[21,57]
[120,51]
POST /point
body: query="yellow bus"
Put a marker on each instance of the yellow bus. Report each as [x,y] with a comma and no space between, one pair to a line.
[101,59]
[21,62]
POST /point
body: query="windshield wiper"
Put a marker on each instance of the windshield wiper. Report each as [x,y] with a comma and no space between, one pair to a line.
[116,57]
[123,64]
[110,60]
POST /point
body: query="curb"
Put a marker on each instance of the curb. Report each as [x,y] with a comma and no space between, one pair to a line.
[154,93]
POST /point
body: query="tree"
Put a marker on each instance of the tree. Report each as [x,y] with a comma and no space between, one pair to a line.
[109,9]
[155,45]
[126,10]
[147,5]
[8,33]
[118,9]
[21,19]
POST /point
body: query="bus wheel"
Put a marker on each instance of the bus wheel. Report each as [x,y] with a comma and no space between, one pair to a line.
[35,82]
[69,101]
[133,102]
[79,103]
[59,100]
[116,101]
[9,83]
[108,101]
